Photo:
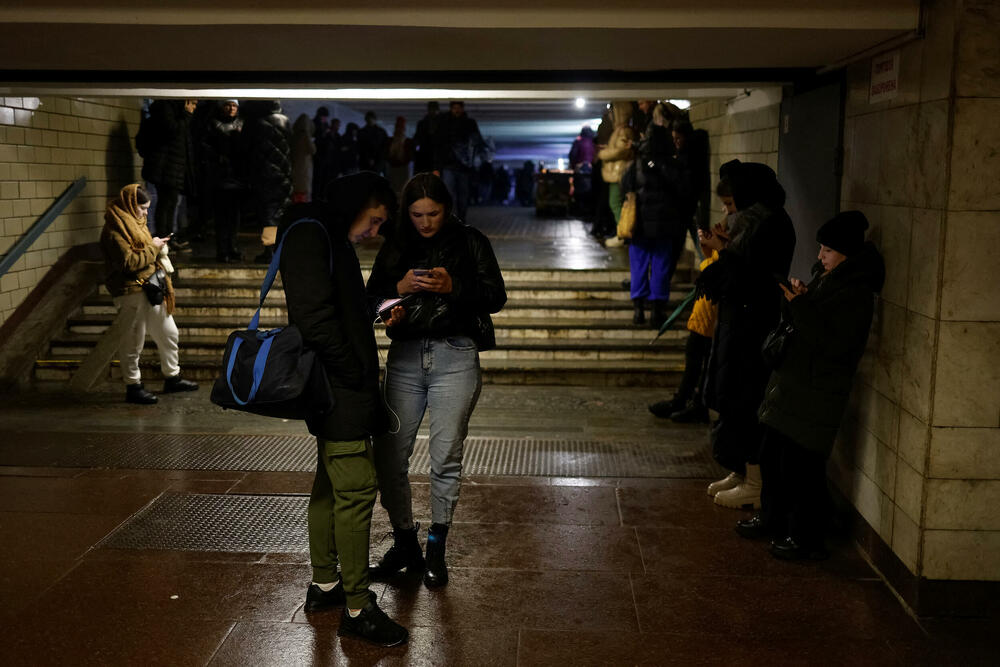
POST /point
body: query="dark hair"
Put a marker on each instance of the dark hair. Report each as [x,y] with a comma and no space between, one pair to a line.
[322,111]
[724,188]
[423,185]
[682,127]
[370,114]
[142,196]
[352,194]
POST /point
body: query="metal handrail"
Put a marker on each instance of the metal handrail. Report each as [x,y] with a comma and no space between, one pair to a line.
[58,206]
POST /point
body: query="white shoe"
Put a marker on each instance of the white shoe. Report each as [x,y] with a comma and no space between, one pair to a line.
[613,242]
[724,484]
[746,493]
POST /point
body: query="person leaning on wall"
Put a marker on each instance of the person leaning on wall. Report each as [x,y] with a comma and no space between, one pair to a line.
[133,256]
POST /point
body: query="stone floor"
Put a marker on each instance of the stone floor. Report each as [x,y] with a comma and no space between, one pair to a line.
[545,570]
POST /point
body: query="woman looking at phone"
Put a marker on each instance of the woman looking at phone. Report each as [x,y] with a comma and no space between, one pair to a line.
[453,283]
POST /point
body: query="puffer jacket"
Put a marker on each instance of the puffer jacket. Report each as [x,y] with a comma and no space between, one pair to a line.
[617,155]
[169,162]
[331,311]
[807,394]
[705,314]
[267,140]
[477,284]
[662,183]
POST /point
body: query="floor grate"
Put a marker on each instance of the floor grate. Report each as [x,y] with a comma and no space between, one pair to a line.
[297,453]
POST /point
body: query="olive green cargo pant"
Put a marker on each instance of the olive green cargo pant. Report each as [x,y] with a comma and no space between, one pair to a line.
[340,516]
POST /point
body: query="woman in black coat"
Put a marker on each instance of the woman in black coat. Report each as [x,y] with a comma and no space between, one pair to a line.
[742,282]
[451,282]
[809,389]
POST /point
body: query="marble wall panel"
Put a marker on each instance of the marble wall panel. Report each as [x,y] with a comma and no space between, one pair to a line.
[975,160]
[906,540]
[918,365]
[914,442]
[964,453]
[909,492]
[856,101]
[895,226]
[961,555]
[977,73]
[928,175]
[865,145]
[960,504]
[967,385]
[971,274]
[922,292]
[897,159]
[938,49]
[889,334]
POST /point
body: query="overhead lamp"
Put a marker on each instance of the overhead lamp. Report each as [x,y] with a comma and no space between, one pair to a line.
[580,103]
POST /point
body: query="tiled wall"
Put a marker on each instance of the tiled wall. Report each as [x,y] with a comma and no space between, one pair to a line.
[745,127]
[920,454]
[46,144]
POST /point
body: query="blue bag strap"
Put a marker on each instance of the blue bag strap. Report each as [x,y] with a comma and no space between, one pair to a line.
[272,269]
[258,368]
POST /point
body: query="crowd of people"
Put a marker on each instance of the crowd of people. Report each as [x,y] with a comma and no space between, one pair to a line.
[774,357]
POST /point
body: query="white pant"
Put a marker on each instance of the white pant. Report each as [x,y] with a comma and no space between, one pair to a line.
[138,318]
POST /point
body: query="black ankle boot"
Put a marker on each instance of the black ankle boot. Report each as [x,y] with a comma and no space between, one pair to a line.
[639,316]
[657,313]
[405,553]
[437,571]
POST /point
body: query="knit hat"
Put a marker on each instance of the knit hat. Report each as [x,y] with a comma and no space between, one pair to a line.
[845,232]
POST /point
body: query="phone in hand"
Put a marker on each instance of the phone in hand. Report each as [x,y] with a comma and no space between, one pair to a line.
[782,280]
[385,308]
[420,273]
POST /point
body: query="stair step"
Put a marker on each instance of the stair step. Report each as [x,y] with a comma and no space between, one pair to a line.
[495,371]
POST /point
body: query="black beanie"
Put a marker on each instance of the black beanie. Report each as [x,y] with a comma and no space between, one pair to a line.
[845,232]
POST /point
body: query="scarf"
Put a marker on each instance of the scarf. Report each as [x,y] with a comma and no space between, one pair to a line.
[124,218]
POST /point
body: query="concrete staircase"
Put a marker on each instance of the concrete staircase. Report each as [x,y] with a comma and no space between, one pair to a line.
[559,327]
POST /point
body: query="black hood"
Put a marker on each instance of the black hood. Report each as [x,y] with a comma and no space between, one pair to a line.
[753,183]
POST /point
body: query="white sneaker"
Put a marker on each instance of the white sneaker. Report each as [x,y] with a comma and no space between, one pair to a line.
[746,493]
[613,242]
[724,484]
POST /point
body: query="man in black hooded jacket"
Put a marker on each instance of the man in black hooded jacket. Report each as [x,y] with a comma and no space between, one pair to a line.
[326,300]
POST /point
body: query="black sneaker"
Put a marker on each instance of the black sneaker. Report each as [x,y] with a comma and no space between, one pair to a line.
[664,409]
[694,413]
[136,393]
[177,383]
[372,625]
[317,599]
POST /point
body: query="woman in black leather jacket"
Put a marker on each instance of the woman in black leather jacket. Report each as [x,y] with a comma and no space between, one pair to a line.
[450,281]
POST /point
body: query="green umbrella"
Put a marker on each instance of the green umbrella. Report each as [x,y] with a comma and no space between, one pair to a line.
[673,316]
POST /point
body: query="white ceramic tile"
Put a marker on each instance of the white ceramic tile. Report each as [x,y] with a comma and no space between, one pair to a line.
[909,494]
[967,386]
[917,367]
[955,504]
[906,540]
[912,445]
[971,270]
[975,160]
[922,293]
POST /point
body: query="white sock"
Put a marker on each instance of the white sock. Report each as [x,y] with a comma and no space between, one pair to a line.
[326,588]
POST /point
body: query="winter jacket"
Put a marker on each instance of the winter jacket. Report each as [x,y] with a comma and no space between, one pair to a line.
[617,155]
[427,140]
[461,142]
[373,147]
[169,161]
[582,150]
[221,148]
[330,309]
[477,284]
[808,392]
[742,283]
[268,164]
[662,183]
[302,151]
[705,314]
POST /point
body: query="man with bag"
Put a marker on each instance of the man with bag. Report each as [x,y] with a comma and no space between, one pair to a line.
[326,300]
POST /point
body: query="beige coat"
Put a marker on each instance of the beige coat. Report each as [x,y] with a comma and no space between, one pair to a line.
[617,155]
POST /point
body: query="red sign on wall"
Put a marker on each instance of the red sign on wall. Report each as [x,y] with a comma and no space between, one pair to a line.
[885,78]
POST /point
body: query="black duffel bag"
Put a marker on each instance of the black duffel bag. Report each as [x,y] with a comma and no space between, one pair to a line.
[272,373]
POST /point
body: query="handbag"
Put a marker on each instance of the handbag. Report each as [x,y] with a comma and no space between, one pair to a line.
[626,221]
[776,344]
[155,287]
[273,373]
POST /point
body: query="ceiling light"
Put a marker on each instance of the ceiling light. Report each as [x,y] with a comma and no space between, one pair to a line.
[580,103]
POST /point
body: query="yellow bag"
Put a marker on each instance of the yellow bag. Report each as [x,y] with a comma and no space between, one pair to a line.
[626,221]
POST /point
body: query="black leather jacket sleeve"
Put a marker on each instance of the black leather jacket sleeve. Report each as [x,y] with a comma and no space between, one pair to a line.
[486,292]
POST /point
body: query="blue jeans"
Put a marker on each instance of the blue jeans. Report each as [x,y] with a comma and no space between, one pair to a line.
[440,375]
[459,184]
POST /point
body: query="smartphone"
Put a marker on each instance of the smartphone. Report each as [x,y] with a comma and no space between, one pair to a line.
[385,308]
[420,273]
[782,280]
